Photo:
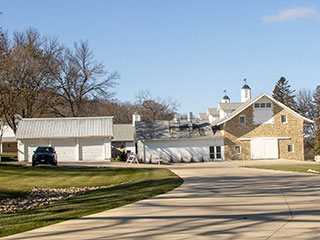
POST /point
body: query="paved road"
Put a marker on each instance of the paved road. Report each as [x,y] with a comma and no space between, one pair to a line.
[216,201]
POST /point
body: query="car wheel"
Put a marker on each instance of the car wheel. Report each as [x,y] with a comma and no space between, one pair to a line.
[33,164]
[54,163]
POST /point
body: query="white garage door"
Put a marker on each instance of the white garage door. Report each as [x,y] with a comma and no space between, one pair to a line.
[92,150]
[66,150]
[31,146]
[264,148]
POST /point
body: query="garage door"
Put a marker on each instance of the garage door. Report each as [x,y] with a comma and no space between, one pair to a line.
[31,147]
[66,150]
[264,148]
[92,150]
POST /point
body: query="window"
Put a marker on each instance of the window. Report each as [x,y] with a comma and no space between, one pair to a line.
[215,152]
[268,105]
[212,152]
[218,148]
[237,149]
[262,105]
[242,119]
[8,145]
[290,148]
[283,118]
[256,105]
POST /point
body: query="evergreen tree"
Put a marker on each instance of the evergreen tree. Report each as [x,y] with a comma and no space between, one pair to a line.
[284,94]
[317,143]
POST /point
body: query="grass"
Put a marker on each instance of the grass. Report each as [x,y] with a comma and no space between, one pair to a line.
[16,181]
[291,168]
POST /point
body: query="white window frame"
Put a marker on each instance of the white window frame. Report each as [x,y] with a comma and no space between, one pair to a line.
[268,105]
[284,115]
[244,117]
[292,148]
[237,148]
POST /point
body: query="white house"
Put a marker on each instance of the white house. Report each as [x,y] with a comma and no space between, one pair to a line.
[74,139]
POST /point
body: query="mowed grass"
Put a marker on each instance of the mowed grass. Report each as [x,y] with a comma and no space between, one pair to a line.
[137,184]
[291,168]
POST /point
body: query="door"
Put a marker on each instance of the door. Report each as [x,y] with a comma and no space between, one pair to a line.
[264,148]
[92,150]
[66,150]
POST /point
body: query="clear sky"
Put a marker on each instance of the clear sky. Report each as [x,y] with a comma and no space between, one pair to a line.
[190,50]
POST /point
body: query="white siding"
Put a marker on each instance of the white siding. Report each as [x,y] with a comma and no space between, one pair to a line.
[263,115]
[196,148]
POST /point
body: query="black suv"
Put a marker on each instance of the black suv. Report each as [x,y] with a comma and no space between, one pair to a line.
[44,154]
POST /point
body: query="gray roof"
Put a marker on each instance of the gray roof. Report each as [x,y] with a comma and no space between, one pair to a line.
[123,132]
[229,106]
[165,130]
[240,107]
[202,116]
[213,111]
[80,127]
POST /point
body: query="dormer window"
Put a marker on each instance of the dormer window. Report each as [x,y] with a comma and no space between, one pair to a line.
[242,119]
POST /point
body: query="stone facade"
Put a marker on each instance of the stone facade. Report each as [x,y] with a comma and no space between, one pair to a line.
[291,132]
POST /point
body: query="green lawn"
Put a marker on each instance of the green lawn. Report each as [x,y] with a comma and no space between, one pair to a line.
[16,181]
[291,168]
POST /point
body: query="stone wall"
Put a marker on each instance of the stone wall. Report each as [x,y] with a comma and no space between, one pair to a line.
[293,129]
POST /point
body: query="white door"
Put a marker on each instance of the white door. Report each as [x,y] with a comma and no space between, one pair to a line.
[66,150]
[264,148]
[92,150]
[31,146]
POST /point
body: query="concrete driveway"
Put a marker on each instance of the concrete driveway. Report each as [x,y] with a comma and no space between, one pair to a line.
[216,201]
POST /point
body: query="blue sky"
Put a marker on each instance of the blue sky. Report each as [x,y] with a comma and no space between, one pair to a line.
[189,50]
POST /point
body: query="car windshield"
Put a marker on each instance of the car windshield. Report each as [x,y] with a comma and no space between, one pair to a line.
[45,150]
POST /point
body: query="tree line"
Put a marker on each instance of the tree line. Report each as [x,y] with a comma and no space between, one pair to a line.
[40,77]
[307,103]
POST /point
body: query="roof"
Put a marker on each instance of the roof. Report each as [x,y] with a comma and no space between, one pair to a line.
[226,97]
[202,116]
[213,112]
[8,134]
[229,106]
[246,87]
[165,130]
[123,132]
[251,101]
[80,127]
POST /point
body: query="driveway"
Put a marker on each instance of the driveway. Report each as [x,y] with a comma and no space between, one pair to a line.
[216,201]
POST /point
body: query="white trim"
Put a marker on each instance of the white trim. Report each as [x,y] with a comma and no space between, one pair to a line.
[292,148]
[245,120]
[279,138]
[284,115]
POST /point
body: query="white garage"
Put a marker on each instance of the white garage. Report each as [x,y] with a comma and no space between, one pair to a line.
[264,148]
[74,139]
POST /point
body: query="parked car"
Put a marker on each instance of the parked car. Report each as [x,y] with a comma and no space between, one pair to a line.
[44,155]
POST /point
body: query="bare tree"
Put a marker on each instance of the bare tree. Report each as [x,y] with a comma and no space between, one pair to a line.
[24,75]
[155,108]
[79,79]
[306,107]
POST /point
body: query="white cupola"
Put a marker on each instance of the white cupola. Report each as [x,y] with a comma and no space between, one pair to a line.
[245,92]
[225,98]
[136,118]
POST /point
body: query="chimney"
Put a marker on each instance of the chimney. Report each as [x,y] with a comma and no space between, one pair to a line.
[135,118]
[245,92]
[177,122]
[189,119]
